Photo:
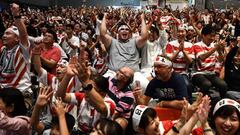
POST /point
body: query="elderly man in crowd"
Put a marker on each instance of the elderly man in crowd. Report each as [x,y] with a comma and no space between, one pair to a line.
[168,86]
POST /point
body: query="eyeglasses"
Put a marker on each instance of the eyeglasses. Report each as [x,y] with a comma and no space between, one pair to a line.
[121,72]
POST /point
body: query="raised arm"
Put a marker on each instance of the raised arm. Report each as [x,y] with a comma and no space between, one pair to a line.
[23,35]
[140,41]
[36,60]
[105,37]
[94,98]
[42,100]
[60,110]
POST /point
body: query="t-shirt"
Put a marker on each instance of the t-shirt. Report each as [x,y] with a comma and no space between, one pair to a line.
[180,64]
[87,114]
[207,65]
[52,54]
[123,54]
[17,61]
[173,89]
[71,52]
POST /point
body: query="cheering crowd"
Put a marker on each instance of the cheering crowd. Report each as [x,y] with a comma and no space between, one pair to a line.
[105,71]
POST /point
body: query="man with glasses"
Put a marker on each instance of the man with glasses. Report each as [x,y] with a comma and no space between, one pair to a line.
[121,93]
[167,86]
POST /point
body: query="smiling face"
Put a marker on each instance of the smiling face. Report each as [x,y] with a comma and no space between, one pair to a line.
[227,125]
[9,38]
[124,33]
[163,72]
[153,127]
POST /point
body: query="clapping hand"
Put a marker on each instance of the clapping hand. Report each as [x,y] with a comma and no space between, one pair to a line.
[203,110]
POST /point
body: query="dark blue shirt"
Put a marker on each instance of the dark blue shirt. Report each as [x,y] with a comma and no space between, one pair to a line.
[173,89]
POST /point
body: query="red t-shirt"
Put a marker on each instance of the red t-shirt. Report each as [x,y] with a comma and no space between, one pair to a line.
[52,54]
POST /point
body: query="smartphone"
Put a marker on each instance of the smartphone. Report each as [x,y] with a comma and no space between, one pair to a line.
[137,83]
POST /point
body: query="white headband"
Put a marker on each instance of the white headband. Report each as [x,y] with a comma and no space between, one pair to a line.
[225,102]
[137,115]
[162,60]
[62,62]
[14,29]
[123,26]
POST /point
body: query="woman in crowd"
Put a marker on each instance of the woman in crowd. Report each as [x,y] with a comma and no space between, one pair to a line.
[225,117]
[12,113]
[107,127]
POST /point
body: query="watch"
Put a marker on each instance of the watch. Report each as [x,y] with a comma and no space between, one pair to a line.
[87,87]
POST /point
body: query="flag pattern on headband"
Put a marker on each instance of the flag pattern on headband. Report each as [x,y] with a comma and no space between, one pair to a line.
[14,29]
[162,60]
[225,102]
[62,62]
[137,114]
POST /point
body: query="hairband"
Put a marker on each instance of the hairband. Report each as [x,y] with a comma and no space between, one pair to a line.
[225,102]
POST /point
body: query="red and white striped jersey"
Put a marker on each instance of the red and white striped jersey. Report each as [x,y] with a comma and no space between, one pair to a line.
[179,64]
[48,79]
[87,114]
[207,65]
[165,20]
[21,65]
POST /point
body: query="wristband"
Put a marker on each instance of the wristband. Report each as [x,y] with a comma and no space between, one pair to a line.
[175,129]
[207,130]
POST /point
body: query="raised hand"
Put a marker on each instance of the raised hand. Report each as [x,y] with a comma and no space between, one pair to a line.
[194,106]
[60,107]
[181,45]
[137,90]
[203,110]
[15,9]
[184,114]
[44,96]
[82,71]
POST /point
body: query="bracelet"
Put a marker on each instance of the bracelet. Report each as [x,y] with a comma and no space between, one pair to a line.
[207,130]
[175,129]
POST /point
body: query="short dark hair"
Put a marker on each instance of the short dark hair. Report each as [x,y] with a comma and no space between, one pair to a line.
[109,127]
[101,82]
[54,34]
[208,29]
[154,29]
[70,120]
[148,114]
[70,26]
[224,111]
[12,96]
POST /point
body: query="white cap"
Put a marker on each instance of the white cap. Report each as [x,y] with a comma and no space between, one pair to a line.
[161,60]
[225,102]
[137,115]
[14,29]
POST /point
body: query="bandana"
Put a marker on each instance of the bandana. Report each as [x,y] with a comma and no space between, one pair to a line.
[123,27]
[14,29]
[62,62]
[225,102]
[162,60]
[137,115]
